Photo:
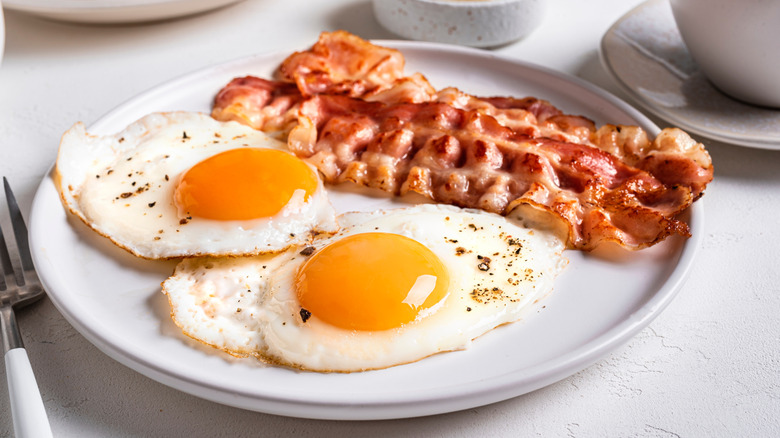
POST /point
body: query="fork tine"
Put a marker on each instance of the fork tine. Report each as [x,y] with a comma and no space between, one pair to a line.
[20,230]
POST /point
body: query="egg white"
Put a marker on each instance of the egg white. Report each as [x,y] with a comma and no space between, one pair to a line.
[123,185]
[249,307]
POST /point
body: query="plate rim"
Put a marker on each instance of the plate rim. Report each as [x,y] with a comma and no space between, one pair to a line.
[66,6]
[733,139]
[400,405]
[107,11]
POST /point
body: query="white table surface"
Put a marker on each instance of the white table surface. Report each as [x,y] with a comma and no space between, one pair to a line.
[708,366]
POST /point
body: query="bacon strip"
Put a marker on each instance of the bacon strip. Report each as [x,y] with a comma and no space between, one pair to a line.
[466,158]
[369,125]
[270,106]
[344,64]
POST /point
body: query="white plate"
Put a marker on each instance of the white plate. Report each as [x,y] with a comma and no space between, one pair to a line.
[645,53]
[114,11]
[600,301]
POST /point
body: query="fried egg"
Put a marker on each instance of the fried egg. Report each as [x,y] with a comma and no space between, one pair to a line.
[391,287]
[183,184]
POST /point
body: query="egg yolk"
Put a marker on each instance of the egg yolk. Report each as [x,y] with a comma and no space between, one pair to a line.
[242,184]
[371,281]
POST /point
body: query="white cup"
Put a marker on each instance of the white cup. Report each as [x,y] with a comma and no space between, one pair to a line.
[736,43]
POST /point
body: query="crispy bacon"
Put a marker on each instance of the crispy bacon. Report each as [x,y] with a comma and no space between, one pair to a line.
[342,63]
[353,115]
[536,117]
[270,106]
[466,158]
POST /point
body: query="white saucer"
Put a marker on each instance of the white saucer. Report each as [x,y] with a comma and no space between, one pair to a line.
[645,53]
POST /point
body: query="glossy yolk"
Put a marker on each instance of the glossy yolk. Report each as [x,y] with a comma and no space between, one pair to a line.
[371,281]
[242,184]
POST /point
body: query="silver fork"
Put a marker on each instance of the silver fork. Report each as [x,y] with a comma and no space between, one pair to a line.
[18,287]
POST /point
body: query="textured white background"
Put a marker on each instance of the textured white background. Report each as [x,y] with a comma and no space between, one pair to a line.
[708,366]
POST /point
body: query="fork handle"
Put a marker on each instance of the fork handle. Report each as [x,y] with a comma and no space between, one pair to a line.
[27,409]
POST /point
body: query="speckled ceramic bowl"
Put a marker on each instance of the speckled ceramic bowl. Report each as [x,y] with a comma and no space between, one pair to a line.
[479,23]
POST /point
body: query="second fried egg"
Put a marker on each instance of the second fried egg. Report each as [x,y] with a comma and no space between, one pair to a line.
[391,287]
